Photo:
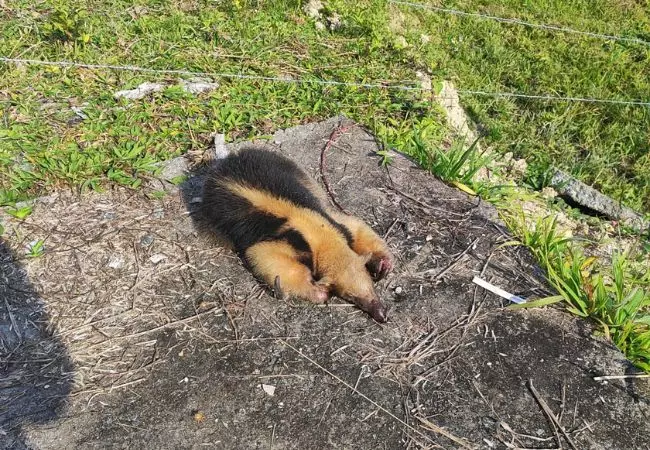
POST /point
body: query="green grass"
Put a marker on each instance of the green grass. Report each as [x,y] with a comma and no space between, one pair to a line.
[44,143]
[605,145]
[616,295]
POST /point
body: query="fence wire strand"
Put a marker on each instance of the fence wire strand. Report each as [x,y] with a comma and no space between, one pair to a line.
[458,12]
[132,68]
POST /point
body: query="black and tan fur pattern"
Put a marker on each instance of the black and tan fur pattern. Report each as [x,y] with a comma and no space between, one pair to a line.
[278,220]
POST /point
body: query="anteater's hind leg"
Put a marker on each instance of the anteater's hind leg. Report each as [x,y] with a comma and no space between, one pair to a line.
[277,264]
[367,243]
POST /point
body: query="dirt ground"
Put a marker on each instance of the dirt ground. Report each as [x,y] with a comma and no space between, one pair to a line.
[136,330]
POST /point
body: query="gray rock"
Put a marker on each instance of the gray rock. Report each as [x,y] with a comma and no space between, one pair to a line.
[591,198]
[140,92]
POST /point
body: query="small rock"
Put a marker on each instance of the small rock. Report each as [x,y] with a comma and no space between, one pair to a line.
[312,8]
[157,258]
[146,240]
[429,238]
[173,168]
[519,167]
[335,22]
[116,261]
[425,80]
[109,215]
[158,213]
[198,85]
[141,91]
[320,26]
[549,193]
[398,290]
[79,112]
[220,149]
[269,389]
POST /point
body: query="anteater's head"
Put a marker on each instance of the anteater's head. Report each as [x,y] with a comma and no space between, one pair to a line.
[351,281]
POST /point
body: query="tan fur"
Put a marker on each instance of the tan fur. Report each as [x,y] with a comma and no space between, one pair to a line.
[343,269]
[366,241]
[278,259]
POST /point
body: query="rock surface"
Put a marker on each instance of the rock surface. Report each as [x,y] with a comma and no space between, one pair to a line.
[182,353]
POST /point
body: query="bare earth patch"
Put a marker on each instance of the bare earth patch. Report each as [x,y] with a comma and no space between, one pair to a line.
[147,334]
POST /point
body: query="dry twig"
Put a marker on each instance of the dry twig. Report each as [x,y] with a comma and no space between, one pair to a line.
[335,134]
[551,416]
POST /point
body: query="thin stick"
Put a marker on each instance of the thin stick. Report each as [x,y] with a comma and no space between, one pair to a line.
[390,228]
[444,271]
[424,205]
[349,386]
[550,414]
[335,134]
[622,377]
[13,321]
[153,330]
[436,429]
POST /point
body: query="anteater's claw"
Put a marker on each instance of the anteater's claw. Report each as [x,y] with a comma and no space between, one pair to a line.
[379,267]
[277,289]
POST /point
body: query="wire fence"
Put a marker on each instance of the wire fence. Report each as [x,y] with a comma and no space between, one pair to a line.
[514,21]
[404,87]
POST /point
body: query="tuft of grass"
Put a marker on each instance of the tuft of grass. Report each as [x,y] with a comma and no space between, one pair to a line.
[457,164]
[35,249]
[19,213]
[612,295]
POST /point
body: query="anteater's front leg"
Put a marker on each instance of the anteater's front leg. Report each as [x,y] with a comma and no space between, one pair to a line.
[367,243]
[278,264]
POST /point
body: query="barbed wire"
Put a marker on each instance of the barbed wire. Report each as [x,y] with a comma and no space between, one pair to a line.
[132,68]
[458,12]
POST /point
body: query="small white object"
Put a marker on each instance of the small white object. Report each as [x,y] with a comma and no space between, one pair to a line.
[398,290]
[79,112]
[158,257]
[220,150]
[498,291]
[269,389]
[198,85]
[115,262]
[141,91]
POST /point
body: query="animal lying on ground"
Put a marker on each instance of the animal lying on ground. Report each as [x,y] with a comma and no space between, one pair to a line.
[278,220]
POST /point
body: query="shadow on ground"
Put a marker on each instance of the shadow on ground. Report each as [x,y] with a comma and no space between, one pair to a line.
[179,347]
[35,369]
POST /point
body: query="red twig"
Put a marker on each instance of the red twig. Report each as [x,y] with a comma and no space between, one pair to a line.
[333,137]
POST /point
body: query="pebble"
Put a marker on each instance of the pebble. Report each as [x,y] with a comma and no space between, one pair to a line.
[116,262]
[146,240]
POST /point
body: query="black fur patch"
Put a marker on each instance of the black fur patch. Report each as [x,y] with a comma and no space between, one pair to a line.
[295,239]
[265,170]
[236,218]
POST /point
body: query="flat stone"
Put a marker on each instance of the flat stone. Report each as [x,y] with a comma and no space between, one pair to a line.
[586,196]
